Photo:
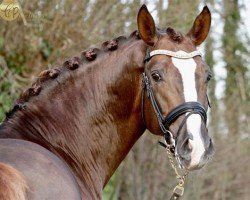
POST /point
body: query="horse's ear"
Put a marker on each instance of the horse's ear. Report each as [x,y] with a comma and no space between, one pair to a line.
[201,26]
[146,26]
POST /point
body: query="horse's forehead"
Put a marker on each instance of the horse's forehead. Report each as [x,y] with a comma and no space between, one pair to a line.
[167,43]
[186,45]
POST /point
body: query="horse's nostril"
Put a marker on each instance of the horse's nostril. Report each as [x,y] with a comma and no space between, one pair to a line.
[186,147]
[208,143]
[210,146]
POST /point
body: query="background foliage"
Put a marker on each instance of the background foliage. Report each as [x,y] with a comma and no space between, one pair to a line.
[59,29]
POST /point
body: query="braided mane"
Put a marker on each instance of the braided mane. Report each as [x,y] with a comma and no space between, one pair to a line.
[75,62]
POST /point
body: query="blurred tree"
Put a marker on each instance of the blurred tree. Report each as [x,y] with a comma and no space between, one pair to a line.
[179,14]
[235,93]
[214,119]
[236,98]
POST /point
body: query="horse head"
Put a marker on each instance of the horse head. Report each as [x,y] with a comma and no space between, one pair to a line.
[175,79]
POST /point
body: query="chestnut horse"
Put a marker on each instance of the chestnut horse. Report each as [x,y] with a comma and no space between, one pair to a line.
[67,134]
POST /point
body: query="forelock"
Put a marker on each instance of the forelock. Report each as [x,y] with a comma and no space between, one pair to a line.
[174,35]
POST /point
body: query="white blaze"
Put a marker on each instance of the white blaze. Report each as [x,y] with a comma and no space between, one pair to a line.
[187,69]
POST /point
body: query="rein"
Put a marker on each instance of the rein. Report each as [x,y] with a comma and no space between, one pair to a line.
[165,122]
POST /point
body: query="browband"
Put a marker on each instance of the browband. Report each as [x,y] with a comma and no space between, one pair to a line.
[177,54]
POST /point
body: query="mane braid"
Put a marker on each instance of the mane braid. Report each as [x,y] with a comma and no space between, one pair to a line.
[174,35]
[70,64]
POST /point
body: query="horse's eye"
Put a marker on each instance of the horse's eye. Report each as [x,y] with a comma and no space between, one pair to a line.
[209,76]
[156,76]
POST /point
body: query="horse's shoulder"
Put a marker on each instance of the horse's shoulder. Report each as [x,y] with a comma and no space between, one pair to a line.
[45,173]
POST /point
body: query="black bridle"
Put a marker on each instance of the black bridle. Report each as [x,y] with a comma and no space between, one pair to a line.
[164,122]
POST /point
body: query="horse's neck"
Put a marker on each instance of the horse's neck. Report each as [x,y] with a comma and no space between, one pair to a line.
[91,120]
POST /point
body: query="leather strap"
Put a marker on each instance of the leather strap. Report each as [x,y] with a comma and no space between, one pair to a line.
[178,54]
[194,107]
[175,54]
